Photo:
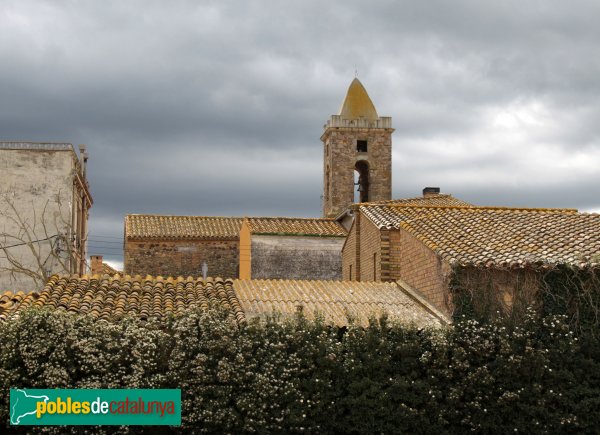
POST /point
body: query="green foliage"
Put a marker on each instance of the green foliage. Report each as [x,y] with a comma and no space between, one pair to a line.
[295,375]
[576,293]
[477,293]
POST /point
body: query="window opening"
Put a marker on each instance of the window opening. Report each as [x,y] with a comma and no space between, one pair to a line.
[361,181]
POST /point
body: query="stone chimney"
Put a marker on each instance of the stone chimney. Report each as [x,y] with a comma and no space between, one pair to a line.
[431,191]
[96,261]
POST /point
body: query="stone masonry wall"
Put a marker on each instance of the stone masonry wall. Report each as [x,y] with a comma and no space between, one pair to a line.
[340,157]
[500,290]
[421,268]
[370,251]
[295,257]
[182,257]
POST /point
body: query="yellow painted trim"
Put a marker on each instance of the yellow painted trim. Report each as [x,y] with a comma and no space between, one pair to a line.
[245,251]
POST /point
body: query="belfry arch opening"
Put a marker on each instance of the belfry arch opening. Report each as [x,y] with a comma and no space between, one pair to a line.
[361,181]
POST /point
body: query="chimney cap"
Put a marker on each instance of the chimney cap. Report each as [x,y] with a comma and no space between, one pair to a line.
[431,191]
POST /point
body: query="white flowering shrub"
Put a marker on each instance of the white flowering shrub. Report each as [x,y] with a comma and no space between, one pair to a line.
[300,376]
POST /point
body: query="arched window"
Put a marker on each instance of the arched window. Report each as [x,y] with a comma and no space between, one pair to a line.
[361,180]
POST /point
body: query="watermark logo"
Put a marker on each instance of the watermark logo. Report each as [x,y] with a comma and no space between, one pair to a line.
[95,407]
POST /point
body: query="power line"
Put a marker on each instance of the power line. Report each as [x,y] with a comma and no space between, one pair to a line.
[105,247]
[104,237]
[27,243]
[104,241]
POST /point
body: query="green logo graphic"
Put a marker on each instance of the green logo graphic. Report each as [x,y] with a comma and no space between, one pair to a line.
[95,407]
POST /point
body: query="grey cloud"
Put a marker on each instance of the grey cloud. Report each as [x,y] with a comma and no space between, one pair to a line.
[217,107]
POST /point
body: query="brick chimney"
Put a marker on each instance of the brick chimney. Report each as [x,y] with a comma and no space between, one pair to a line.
[431,191]
[96,261]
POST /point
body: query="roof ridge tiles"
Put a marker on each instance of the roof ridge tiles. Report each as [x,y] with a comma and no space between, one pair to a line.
[183,216]
[475,209]
[291,218]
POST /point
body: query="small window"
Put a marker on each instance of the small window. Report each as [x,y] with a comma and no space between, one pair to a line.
[350,274]
[361,146]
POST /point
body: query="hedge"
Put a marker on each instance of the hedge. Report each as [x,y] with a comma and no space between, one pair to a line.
[295,375]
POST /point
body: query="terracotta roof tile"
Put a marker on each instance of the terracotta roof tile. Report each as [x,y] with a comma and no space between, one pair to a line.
[296,226]
[138,226]
[498,236]
[335,300]
[112,297]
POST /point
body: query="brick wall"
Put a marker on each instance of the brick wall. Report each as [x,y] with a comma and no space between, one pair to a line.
[182,257]
[370,251]
[420,267]
[296,257]
[349,255]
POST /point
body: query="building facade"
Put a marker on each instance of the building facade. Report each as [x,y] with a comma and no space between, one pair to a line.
[44,209]
[181,245]
[291,248]
[495,256]
[230,247]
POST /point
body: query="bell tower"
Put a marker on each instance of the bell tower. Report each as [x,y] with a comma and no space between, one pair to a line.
[356,141]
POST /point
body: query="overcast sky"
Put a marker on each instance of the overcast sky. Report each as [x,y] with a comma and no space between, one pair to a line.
[216,108]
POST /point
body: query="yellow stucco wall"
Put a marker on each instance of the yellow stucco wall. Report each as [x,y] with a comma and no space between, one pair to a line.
[245,252]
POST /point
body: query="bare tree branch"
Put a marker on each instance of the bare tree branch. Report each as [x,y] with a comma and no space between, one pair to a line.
[34,245]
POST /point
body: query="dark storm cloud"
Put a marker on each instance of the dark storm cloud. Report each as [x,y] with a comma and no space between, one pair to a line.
[216,107]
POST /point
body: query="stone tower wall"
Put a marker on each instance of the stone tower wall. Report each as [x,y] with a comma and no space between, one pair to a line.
[340,157]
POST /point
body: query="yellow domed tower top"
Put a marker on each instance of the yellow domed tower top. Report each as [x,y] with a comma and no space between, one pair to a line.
[357,103]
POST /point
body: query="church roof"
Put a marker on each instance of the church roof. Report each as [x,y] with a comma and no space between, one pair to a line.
[140,226]
[296,226]
[357,103]
[497,236]
[113,297]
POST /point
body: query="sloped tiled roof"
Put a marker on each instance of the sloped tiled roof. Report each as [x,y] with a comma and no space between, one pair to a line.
[335,300]
[296,226]
[143,226]
[441,199]
[111,298]
[107,269]
[498,236]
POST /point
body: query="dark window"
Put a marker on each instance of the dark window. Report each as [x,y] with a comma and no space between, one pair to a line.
[350,273]
[361,146]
